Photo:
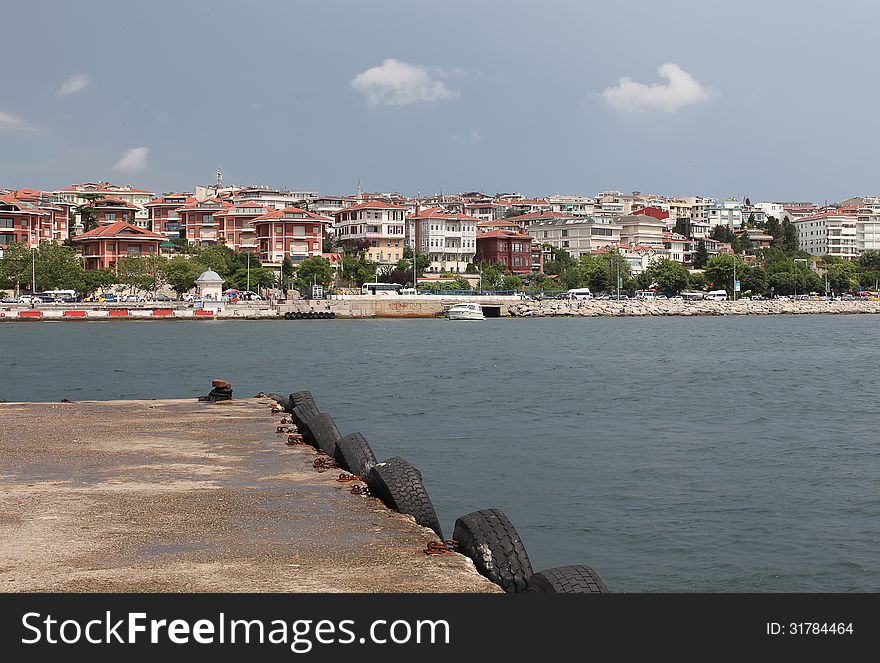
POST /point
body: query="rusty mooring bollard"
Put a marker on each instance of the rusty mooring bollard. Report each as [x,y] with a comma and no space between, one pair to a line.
[221,391]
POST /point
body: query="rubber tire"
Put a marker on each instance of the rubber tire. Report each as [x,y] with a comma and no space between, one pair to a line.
[399,485]
[354,454]
[325,433]
[301,416]
[492,542]
[278,398]
[574,579]
[297,315]
[287,315]
[301,398]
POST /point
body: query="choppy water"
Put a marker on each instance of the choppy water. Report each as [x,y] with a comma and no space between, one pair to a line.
[710,454]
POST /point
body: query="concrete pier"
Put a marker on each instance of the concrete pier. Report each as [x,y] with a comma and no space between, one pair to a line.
[181,496]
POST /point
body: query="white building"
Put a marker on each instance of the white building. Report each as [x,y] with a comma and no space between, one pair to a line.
[830,233]
[868,231]
[448,238]
[641,230]
[579,236]
[377,226]
[771,209]
[727,213]
[272,198]
[573,205]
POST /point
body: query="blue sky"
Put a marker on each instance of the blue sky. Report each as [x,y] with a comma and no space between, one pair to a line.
[774,100]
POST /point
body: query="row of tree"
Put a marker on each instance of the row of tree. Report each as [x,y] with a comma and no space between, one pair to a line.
[56,266]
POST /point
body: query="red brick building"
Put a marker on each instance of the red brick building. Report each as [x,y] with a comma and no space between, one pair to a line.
[112,210]
[198,222]
[164,213]
[511,249]
[291,232]
[235,225]
[103,246]
[23,222]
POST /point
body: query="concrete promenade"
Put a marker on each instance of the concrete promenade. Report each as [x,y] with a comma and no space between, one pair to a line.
[182,496]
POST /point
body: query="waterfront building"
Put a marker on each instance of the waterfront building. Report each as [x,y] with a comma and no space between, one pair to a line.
[289,233]
[832,233]
[23,222]
[511,249]
[868,230]
[198,223]
[136,198]
[164,214]
[210,286]
[448,238]
[578,235]
[104,246]
[376,226]
[235,224]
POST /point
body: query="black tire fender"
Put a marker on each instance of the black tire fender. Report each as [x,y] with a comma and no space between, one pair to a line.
[325,433]
[492,542]
[354,454]
[574,579]
[301,416]
[399,485]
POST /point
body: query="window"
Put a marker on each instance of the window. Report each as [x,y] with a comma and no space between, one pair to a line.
[134,249]
[565,232]
[109,216]
[7,224]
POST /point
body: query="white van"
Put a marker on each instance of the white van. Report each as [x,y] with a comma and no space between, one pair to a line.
[717,295]
[579,293]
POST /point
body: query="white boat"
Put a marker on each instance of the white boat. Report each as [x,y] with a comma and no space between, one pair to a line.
[465,311]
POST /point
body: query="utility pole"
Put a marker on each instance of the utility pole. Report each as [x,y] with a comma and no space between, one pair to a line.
[248,272]
[33,270]
[734,277]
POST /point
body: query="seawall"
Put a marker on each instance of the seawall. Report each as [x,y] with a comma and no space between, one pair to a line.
[594,308]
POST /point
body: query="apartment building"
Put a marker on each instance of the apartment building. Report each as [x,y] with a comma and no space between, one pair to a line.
[23,223]
[104,246]
[198,223]
[511,249]
[448,238]
[272,198]
[832,232]
[235,223]
[578,235]
[572,205]
[726,212]
[868,231]
[641,230]
[292,233]
[164,216]
[136,198]
[377,226]
[679,247]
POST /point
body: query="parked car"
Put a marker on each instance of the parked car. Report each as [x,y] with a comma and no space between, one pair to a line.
[29,300]
[163,298]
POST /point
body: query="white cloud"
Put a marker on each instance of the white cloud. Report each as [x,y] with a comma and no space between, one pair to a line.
[73,84]
[681,89]
[133,160]
[396,83]
[8,121]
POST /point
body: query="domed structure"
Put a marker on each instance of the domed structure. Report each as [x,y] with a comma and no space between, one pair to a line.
[210,286]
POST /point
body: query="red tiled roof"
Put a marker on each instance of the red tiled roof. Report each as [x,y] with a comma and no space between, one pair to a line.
[506,234]
[91,187]
[119,229]
[440,213]
[371,204]
[161,200]
[113,202]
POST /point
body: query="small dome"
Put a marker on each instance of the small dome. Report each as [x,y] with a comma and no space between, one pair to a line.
[209,277]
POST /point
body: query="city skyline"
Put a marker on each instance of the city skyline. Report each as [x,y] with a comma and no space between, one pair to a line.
[495,97]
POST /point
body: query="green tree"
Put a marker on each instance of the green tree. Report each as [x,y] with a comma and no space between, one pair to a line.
[97,280]
[670,276]
[316,270]
[742,243]
[286,276]
[869,261]
[141,272]
[701,255]
[87,211]
[181,273]
[560,260]
[461,283]
[697,280]
[682,226]
[754,279]
[773,227]
[511,212]
[842,276]
[511,282]
[423,261]
[788,240]
[15,266]
[59,267]
[722,233]
[719,271]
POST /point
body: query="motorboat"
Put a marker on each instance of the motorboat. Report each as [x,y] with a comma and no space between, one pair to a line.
[465,311]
